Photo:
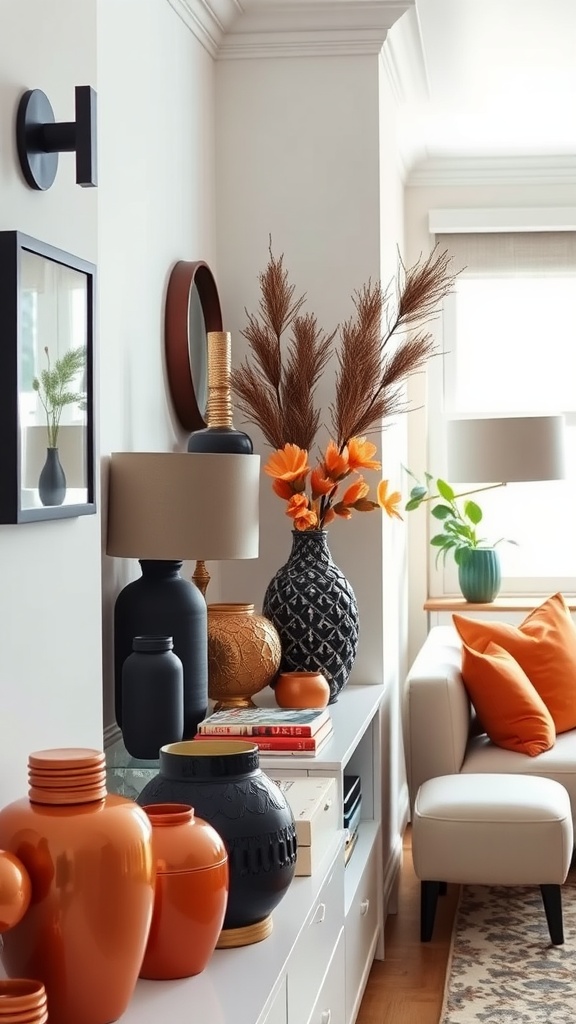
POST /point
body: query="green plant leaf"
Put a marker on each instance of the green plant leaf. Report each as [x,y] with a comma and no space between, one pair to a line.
[465,532]
[440,540]
[445,491]
[473,512]
[441,511]
[419,492]
[412,504]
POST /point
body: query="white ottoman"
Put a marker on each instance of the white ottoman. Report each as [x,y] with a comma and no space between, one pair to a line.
[492,830]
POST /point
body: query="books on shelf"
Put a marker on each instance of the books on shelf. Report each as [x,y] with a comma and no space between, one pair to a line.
[255,722]
[304,746]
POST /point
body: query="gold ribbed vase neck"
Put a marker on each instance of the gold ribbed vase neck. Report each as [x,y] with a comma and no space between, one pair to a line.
[219,410]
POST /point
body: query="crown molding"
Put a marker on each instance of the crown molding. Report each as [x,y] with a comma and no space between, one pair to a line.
[241,29]
[291,28]
[208,20]
[403,60]
[493,170]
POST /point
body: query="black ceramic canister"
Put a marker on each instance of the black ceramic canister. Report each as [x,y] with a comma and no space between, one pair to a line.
[152,696]
[223,781]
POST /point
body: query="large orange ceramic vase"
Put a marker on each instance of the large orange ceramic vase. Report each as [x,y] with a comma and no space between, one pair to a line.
[90,861]
[191,892]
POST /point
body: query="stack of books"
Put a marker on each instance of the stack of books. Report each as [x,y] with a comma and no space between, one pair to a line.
[275,730]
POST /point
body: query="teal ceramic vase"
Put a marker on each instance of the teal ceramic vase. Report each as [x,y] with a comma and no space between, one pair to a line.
[479,575]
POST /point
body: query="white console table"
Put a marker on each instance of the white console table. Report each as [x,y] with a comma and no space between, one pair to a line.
[328,928]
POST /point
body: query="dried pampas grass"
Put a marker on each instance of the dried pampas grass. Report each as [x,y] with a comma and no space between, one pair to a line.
[275,388]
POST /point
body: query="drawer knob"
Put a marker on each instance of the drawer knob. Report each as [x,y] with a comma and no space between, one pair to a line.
[327,805]
[364,907]
[325,1016]
[320,913]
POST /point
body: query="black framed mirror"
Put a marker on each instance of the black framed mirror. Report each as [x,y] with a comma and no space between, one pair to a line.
[192,309]
[46,381]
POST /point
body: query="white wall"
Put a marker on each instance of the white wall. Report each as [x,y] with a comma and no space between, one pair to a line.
[298,159]
[50,606]
[156,206]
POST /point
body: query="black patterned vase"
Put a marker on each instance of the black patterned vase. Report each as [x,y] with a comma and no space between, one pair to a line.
[314,609]
[222,780]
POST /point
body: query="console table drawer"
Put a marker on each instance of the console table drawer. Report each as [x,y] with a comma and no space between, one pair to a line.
[329,1006]
[361,931]
[315,946]
[277,1012]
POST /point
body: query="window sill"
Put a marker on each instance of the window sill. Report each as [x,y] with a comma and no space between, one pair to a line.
[506,604]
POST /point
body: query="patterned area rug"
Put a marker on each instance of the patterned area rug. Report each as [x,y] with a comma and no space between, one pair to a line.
[503,968]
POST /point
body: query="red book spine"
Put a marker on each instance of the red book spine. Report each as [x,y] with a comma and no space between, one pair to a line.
[273,742]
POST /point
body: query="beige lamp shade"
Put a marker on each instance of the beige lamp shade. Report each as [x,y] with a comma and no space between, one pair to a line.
[72,444]
[505,449]
[183,505]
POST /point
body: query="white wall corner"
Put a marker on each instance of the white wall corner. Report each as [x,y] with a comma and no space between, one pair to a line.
[289,28]
[404,62]
[207,19]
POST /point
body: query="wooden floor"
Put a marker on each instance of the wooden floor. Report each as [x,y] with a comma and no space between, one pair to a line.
[407,987]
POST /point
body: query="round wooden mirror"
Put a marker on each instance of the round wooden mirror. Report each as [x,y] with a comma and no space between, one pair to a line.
[192,309]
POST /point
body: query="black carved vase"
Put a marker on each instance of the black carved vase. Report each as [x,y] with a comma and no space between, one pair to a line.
[223,782]
[314,609]
[52,480]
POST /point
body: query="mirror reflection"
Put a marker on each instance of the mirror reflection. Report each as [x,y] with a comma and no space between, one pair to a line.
[53,383]
[197,349]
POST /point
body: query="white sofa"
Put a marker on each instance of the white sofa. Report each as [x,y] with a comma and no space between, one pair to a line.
[442,736]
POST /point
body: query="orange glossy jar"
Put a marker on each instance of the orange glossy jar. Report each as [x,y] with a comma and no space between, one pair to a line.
[90,861]
[191,892]
[301,690]
[23,1001]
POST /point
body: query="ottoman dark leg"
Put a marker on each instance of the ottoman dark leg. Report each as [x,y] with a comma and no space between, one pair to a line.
[552,900]
[428,900]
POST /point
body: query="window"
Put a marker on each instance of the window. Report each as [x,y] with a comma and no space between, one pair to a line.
[509,346]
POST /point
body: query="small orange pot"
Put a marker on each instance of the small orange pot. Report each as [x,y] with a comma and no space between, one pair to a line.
[301,690]
[191,892]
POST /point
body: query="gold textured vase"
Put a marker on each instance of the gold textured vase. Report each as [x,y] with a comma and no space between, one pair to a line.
[243,654]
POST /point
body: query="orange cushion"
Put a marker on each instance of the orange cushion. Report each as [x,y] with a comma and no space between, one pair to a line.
[512,712]
[544,645]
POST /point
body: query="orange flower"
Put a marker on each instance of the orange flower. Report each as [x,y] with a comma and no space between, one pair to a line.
[360,452]
[359,489]
[319,483]
[283,489]
[328,517]
[306,521]
[288,463]
[336,463]
[389,501]
[298,509]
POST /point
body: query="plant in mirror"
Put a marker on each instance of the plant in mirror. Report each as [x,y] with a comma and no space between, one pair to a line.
[55,390]
[46,377]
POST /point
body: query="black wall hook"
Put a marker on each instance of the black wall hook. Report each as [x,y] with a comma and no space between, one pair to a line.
[39,138]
